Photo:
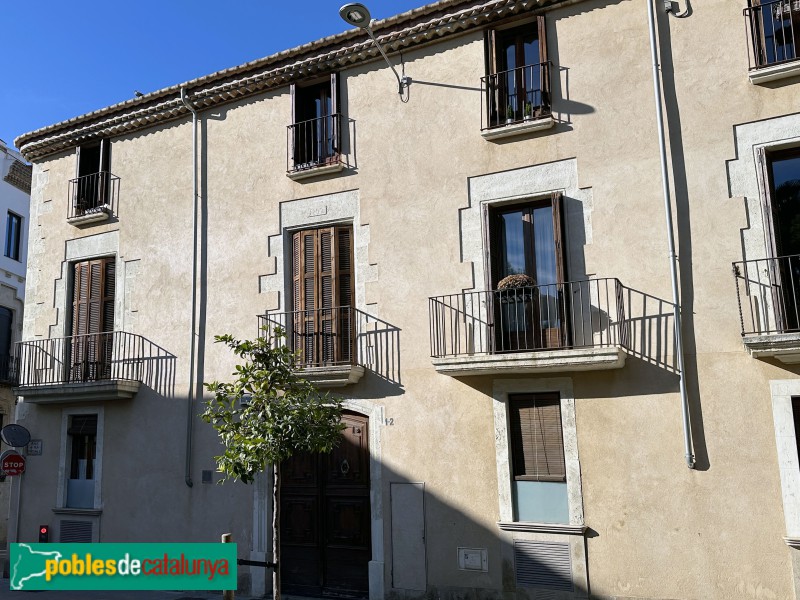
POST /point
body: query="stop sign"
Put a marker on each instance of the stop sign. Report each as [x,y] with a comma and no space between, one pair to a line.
[13,464]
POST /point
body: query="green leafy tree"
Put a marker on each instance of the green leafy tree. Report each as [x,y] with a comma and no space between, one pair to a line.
[267,414]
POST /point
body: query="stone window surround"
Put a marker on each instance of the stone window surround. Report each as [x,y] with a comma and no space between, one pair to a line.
[501,390]
[567,533]
[782,391]
[744,177]
[64,455]
[81,249]
[309,213]
[533,182]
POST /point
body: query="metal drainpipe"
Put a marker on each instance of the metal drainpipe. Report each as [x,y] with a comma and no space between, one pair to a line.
[673,258]
[190,401]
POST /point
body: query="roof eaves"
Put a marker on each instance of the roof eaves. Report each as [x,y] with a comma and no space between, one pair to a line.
[410,28]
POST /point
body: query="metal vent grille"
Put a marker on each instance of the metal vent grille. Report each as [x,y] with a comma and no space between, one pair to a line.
[75,532]
[543,565]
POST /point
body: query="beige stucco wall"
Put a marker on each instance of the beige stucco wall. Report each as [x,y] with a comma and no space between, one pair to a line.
[656,528]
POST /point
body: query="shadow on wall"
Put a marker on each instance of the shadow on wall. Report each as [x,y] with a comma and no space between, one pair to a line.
[677,158]
[431,548]
[158,369]
[649,329]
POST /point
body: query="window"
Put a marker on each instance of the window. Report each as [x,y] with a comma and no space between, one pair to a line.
[537,452]
[527,239]
[322,295]
[13,235]
[315,130]
[776,279]
[94,284]
[92,187]
[774,27]
[82,443]
[517,86]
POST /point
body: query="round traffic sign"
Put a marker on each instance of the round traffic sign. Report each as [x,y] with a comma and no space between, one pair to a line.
[13,464]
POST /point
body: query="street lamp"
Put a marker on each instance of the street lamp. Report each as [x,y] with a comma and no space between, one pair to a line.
[356,14]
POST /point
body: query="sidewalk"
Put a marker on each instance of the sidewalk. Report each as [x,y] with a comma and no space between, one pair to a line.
[5,593]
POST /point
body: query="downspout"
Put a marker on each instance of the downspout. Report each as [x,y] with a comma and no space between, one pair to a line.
[673,258]
[193,351]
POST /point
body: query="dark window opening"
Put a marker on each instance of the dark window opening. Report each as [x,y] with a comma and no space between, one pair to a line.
[314,133]
[82,438]
[6,321]
[13,235]
[784,230]
[518,85]
[92,188]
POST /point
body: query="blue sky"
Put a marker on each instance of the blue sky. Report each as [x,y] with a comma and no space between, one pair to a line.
[64,58]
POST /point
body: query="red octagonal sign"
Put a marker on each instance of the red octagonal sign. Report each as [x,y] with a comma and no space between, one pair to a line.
[13,464]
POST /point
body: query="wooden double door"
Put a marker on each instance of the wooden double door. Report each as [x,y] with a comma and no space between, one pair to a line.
[325,518]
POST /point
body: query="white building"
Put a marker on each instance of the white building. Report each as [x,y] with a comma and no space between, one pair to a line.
[15,195]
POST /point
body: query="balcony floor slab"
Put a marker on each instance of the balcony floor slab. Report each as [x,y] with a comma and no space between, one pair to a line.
[89,391]
[783,346]
[774,72]
[333,376]
[518,128]
[542,361]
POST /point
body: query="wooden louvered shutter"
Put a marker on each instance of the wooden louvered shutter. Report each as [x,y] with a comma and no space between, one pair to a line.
[344,293]
[322,281]
[537,444]
[327,295]
[559,237]
[544,70]
[92,317]
[540,24]
[305,295]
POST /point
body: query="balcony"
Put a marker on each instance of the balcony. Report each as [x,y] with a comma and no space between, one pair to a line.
[92,198]
[516,101]
[768,291]
[773,45]
[572,326]
[335,346]
[313,147]
[97,366]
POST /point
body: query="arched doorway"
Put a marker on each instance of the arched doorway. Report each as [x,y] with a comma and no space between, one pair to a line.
[325,517]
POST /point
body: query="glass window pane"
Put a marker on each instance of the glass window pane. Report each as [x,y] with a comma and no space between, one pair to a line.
[512,244]
[786,204]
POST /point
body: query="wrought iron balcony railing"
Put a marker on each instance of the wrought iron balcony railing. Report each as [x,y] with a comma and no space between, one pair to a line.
[113,355]
[98,192]
[313,143]
[515,96]
[768,293]
[337,336]
[574,314]
[773,28]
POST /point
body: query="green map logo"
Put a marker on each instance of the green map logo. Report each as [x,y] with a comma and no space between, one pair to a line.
[123,567]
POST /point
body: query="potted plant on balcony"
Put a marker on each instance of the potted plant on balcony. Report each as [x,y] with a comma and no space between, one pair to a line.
[527,110]
[517,302]
[510,114]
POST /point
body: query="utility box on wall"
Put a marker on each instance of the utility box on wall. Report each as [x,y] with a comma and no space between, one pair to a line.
[473,559]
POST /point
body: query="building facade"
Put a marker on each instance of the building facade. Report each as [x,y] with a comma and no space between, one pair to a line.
[479,266]
[15,192]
